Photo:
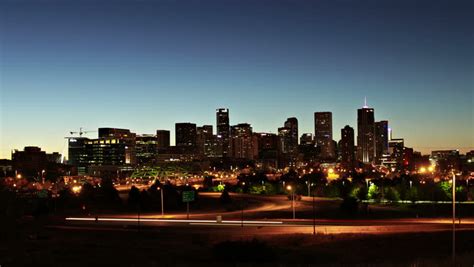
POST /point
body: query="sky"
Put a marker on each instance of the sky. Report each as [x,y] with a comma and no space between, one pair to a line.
[145,65]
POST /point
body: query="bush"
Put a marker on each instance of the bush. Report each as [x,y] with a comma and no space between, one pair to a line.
[391,194]
[225,197]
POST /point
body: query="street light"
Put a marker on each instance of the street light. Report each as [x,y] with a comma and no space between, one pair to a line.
[42,175]
[454,219]
[292,199]
[162,204]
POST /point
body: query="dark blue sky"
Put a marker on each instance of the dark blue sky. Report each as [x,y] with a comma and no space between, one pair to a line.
[145,65]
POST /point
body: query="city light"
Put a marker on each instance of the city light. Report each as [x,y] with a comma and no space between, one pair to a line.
[76,189]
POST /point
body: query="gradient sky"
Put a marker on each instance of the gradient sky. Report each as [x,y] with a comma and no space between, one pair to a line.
[145,65]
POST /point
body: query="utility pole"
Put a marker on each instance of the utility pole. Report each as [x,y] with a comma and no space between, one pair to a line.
[454,219]
[314,217]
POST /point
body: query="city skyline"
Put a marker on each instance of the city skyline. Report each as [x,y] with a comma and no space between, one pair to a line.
[81,64]
[92,133]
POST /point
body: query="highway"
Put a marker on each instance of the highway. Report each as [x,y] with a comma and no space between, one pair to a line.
[266,215]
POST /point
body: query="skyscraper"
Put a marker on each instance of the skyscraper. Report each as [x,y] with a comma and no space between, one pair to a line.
[204,139]
[346,147]
[145,149]
[292,125]
[162,139]
[105,154]
[185,134]
[307,139]
[223,129]
[323,134]
[242,141]
[381,139]
[284,140]
[365,134]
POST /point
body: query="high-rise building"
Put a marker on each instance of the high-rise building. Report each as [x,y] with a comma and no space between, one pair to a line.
[162,139]
[185,134]
[146,148]
[78,155]
[323,134]
[284,140]
[242,141]
[292,125]
[346,147]
[396,149]
[223,129]
[365,134]
[204,140]
[106,152]
[381,139]
[307,139]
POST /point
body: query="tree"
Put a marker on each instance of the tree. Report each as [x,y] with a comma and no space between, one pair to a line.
[373,192]
[225,197]
[133,196]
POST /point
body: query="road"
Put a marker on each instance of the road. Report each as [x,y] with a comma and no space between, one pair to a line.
[267,227]
[266,215]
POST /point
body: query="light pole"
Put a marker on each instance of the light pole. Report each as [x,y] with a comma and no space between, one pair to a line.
[309,188]
[292,199]
[42,176]
[314,217]
[162,204]
[454,219]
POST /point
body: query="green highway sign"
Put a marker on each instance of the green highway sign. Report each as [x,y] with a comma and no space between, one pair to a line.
[188,196]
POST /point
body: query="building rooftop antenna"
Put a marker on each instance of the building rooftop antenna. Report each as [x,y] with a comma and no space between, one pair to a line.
[365,102]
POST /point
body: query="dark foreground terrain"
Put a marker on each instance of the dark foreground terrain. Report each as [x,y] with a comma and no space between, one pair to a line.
[40,244]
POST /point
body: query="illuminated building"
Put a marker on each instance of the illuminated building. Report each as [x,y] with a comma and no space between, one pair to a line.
[146,149]
[323,134]
[396,149]
[292,141]
[223,129]
[204,140]
[347,147]
[307,139]
[242,142]
[381,139]
[78,154]
[365,134]
[186,135]
[446,160]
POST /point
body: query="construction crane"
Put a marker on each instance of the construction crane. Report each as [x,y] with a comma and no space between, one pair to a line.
[81,132]
[69,138]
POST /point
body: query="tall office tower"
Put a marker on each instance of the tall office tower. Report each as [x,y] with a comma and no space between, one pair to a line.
[146,149]
[78,156]
[365,134]
[223,129]
[284,140]
[204,139]
[381,139]
[346,147]
[323,134]
[267,141]
[242,141]
[292,125]
[307,139]
[162,139]
[185,134]
[111,153]
[396,149]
